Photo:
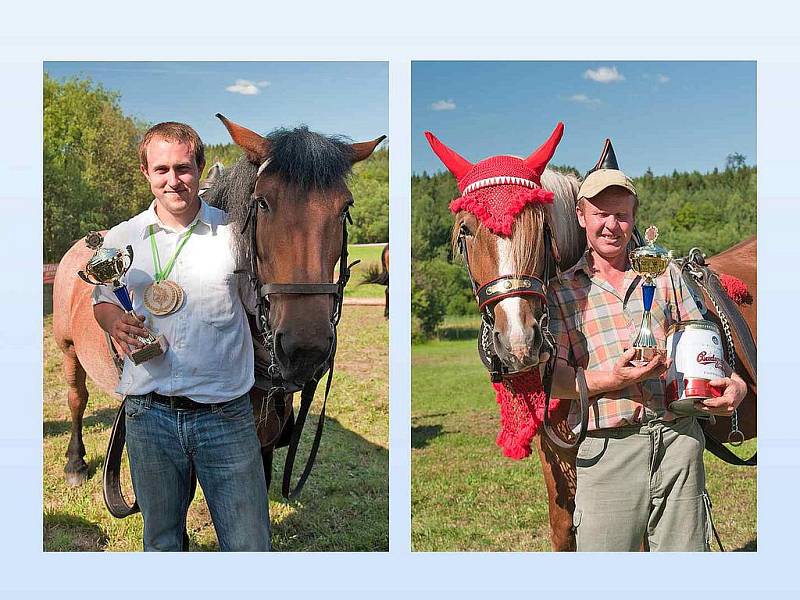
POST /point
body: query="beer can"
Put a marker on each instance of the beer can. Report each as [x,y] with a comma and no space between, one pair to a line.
[697,357]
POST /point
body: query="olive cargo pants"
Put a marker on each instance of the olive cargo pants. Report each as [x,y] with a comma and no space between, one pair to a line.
[643,482]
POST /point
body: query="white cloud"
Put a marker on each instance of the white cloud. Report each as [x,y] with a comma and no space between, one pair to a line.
[662,78]
[247,87]
[583,99]
[443,105]
[604,75]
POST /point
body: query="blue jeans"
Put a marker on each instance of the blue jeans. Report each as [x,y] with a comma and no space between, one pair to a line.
[219,444]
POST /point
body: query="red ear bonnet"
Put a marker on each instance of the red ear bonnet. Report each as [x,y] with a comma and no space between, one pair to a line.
[496,189]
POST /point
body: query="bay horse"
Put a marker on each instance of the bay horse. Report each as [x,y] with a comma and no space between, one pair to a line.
[489,257]
[380,276]
[289,200]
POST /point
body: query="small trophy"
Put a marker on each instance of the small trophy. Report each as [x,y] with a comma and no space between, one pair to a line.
[106,267]
[649,261]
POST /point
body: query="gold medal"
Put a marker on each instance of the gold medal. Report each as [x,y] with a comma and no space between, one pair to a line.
[163,297]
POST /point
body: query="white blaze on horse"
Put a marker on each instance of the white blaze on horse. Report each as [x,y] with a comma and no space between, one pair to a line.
[289,199]
[515,223]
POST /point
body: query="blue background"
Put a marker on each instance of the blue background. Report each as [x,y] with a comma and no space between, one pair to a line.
[30,34]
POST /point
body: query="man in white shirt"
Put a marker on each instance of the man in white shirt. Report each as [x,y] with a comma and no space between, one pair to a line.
[186,411]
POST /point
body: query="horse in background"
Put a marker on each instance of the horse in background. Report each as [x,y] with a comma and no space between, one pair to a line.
[380,276]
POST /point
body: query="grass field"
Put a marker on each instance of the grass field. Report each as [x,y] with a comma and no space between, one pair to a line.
[344,506]
[467,496]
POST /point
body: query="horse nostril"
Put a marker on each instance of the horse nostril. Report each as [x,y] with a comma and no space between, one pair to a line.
[280,354]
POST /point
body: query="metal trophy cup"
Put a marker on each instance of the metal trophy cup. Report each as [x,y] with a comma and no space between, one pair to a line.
[649,261]
[106,267]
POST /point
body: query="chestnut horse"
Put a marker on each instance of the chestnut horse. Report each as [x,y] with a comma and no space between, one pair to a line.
[290,192]
[490,256]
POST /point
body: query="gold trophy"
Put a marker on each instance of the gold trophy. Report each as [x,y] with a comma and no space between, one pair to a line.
[107,267]
[649,261]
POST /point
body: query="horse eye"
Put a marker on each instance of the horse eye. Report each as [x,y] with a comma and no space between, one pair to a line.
[262,203]
[465,231]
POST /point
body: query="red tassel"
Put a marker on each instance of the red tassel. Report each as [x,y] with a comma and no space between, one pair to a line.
[736,289]
[521,399]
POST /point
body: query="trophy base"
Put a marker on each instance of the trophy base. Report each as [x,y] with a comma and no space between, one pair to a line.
[644,355]
[149,351]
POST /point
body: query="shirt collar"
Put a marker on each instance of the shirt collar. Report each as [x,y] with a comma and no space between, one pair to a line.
[151,218]
[581,266]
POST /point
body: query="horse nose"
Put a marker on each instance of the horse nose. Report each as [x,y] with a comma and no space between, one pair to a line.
[520,350]
[296,352]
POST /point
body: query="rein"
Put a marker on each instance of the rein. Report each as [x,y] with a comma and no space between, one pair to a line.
[509,286]
[273,374]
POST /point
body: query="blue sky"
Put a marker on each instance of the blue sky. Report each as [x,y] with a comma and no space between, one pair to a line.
[346,98]
[664,115]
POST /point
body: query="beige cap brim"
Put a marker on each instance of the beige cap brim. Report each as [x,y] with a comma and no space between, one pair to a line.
[601,179]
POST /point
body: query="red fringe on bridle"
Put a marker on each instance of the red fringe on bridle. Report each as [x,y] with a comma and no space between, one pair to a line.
[736,289]
[497,206]
[521,399]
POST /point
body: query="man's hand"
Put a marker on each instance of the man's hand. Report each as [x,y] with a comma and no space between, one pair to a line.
[625,374]
[125,329]
[734,389]
[121,326]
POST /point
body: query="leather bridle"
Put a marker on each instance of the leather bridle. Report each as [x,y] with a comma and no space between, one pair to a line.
[273,374]
[523,285]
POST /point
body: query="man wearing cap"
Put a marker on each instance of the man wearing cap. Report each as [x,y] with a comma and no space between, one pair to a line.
[187,411]
[640,475]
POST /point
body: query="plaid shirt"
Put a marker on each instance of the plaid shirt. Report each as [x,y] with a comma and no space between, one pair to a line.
[593,325]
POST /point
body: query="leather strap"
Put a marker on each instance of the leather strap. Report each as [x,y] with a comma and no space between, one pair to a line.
[306,399]
[719,450]
[508,286]
[112,488]
[299,288]
[112,483]
[583,427]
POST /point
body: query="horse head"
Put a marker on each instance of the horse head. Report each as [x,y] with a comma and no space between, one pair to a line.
[297,213]
[505,222]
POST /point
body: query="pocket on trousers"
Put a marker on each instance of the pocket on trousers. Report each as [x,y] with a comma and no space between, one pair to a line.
[134,406]
[235,409]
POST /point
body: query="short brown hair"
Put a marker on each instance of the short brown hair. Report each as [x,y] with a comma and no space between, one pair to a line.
[174,132]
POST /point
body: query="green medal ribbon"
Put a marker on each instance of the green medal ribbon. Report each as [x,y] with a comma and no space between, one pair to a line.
[161,275]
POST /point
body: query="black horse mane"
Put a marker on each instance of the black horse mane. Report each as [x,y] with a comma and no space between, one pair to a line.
[302,158]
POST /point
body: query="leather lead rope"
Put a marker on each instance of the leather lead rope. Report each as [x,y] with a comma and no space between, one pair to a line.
[112,485]
[306,399]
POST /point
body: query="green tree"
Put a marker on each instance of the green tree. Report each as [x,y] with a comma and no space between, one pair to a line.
[91,167]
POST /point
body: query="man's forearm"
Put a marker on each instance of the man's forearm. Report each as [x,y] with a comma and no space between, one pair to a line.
[565,384]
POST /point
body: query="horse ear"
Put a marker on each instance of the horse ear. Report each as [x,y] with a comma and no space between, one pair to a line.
[362,150]
[539,158]
[256,147]
[455,163]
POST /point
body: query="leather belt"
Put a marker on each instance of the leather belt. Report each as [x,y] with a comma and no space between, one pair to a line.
[178,402]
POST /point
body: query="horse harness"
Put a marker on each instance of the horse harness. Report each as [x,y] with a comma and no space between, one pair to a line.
[520,285]
[695,269]
[268,376]
[272,380]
